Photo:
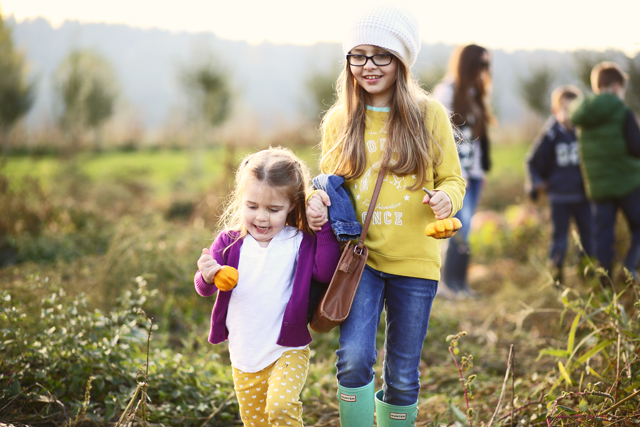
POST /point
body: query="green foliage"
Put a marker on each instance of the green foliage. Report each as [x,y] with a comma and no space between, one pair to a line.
[321,85]
[56,346]
[166,256]
[86,90]
[507,235]
[16,94]
[601,347]
[584,62]
[208,88]
[466,363]
[32,227]
[632,96]
[536,89]
[122,202]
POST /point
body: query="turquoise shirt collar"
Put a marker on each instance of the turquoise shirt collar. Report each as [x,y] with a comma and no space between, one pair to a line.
[381,109]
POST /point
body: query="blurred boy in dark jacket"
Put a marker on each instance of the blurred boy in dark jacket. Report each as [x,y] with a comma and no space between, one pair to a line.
[553,165]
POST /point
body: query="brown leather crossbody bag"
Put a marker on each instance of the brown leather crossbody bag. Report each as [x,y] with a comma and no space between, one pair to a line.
[336,302]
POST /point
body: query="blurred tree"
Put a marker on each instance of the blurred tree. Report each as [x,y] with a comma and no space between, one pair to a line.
[536,89]
[85,90]
[431,76]
[208,88]
[209,91]
[321,86]
[633,89]
[16,94]
[584,62]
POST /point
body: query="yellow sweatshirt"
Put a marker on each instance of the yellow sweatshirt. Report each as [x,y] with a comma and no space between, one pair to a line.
[396,240]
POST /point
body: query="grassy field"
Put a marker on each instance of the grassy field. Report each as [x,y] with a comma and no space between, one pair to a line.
[88,243]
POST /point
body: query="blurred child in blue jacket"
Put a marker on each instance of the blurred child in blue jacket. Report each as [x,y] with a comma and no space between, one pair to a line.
[553,166]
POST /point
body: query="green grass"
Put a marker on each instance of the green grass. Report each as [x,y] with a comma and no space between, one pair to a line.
[509,159]
[170,170]
[164,171]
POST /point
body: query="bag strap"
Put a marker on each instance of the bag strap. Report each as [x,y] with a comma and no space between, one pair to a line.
[372,205]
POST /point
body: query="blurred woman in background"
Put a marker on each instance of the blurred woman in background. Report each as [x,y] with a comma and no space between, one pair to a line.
[465,92]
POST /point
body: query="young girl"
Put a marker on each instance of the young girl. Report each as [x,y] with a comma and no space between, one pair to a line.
[268,239]
[382,115]
[465,93]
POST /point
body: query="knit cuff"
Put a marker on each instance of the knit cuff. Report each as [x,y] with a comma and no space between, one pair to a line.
[325,235]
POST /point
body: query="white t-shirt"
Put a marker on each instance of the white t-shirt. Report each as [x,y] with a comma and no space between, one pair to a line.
[257,304]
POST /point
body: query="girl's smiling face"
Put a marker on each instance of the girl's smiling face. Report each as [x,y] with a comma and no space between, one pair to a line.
[377,80]
[264,211]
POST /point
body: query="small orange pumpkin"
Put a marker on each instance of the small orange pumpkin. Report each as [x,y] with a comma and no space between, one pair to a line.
[226,278]
[443,228]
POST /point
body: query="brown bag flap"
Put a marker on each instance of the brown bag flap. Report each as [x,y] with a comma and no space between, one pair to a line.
[337,301]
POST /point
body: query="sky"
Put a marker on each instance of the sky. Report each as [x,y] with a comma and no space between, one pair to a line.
[497,24]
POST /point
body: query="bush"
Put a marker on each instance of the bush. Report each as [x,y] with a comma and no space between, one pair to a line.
[35,228]
[507,235]
[166,256]
[52,359]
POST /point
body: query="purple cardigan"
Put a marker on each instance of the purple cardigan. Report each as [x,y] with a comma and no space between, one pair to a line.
[318,258]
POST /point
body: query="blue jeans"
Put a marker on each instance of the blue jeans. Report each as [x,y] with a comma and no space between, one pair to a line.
[469,205]
[605,220]
[561,214]
[407,302]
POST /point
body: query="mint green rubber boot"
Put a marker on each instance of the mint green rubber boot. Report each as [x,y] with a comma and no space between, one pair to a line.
[394,416]
[356,406]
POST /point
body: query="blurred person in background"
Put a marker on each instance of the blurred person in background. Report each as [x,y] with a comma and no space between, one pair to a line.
[553,166]
[609,144]
[465,92]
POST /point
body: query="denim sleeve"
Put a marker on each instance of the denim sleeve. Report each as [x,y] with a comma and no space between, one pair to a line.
[342,216]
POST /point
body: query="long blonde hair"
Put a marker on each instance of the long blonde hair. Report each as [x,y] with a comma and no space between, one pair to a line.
[282,171]
[417,150]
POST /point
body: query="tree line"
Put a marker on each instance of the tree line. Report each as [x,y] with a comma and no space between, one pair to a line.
[87,93]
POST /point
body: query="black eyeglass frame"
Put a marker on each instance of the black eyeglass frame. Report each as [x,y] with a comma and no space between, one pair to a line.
[367,58]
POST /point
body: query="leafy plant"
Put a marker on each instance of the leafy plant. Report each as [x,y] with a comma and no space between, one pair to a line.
[73,360]
[465,364]
[601,346]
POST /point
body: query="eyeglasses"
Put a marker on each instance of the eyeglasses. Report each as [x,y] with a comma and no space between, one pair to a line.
[381,59]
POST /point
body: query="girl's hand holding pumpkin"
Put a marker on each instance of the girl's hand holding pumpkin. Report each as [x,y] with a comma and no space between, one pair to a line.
[223,276]
[440,203]
[208,266]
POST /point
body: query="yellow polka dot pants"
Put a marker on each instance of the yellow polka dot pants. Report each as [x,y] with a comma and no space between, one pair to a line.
[271,397]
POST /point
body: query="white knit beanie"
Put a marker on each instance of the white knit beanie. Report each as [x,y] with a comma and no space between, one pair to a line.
[389,27]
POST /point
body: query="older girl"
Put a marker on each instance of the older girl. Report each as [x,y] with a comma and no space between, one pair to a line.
[381,117]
